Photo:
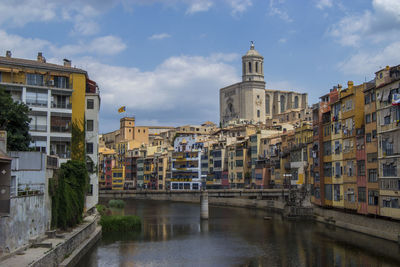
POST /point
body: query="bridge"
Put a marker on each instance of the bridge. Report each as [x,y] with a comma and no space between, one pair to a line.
[253,198]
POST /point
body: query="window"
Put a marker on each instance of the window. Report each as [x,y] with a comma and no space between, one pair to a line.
[61,82]
[367,99]
[89,125]
[90,104]
[389,169]
[239,175]
[89,148]
[386,120]
[350,168]
[372,157]
[36,97]
[361,194]
[239,163]
[256,67]
[267,108]
[258,113]
[328,169]
[349,105]
[338,147]
[327,148]
[250,70]
[368,138]
[368,118]
[337,169]
[373,197]
[336,192]
[374,134]
[372,175]
[34,79]
[361,168]
[282,99]
[296,102]
[387,147]
[373,116]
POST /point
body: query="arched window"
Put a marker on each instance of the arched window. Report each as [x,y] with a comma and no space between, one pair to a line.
[296,101]
[267,108]
[256,67]
[250,71]
[282,104]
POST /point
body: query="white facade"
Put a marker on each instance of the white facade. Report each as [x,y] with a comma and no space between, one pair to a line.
[249,101]
[51,113]
[92,146]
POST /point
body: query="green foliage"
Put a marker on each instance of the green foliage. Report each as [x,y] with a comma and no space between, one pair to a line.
[116,203]
[68,191]
[78,151]
[119,223]
[15,120]
[101,209]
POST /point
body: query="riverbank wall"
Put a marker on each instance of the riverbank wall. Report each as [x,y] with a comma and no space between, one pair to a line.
[377,227]
[70,251]
[63,249]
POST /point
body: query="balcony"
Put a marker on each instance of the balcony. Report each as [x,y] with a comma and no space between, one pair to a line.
[61,105]
[60,124]
[37,128]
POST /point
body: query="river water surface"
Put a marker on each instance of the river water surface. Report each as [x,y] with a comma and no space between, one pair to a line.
[173,235]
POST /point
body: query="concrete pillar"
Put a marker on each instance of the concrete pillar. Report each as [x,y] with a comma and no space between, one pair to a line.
[204,205]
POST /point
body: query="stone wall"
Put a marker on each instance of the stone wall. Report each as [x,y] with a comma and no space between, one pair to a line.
[62,251]
[382,228]
[29,218]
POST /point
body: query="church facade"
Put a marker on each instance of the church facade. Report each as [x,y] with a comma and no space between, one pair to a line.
[248,101]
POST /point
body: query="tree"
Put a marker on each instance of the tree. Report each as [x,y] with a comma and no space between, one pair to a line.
[15,120]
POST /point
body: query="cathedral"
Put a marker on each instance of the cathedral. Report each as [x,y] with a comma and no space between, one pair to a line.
[248,101]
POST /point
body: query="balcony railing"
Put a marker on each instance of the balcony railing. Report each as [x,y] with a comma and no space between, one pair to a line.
[36,102]
[61,105]
[60,129]
[37,128]
[61,155]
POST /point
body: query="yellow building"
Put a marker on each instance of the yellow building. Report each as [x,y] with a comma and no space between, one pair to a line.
[352,99]
[118,178]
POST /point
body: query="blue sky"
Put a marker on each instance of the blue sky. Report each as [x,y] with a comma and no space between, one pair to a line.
[166,60]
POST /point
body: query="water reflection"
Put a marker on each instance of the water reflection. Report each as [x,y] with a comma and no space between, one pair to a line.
[173,235]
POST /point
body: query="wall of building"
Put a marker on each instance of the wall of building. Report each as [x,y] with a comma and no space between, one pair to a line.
[29,218]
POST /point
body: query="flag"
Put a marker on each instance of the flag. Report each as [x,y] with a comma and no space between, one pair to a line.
[122,109]
[396,100]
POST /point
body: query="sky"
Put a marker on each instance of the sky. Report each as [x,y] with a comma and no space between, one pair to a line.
[165,60]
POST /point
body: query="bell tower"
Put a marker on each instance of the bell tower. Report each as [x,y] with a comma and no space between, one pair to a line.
[252,65]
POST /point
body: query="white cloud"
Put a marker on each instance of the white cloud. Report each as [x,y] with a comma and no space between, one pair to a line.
[199,6]
[28,47]
[159,36]
[275,9]
[239,6]
[322,4]
[21,47]
[381,23]
[19,13]
[368,62]
[184,88]
[282,40]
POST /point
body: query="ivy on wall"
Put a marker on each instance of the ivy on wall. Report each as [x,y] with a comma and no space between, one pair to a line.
[67,190]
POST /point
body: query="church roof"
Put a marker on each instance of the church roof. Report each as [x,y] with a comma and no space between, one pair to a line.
[252,51]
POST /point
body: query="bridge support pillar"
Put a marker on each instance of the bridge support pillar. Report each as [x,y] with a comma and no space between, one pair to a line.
[204,205]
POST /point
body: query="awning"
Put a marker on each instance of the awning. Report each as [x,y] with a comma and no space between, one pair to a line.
[385,95]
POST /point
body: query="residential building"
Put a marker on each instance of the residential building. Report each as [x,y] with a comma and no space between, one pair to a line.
[388,128]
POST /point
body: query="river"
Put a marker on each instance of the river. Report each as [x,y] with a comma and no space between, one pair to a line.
[173,235]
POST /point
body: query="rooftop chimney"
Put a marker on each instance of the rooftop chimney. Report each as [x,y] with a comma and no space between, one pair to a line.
[8,53]
[350,84]
[40,57]
[67,62]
